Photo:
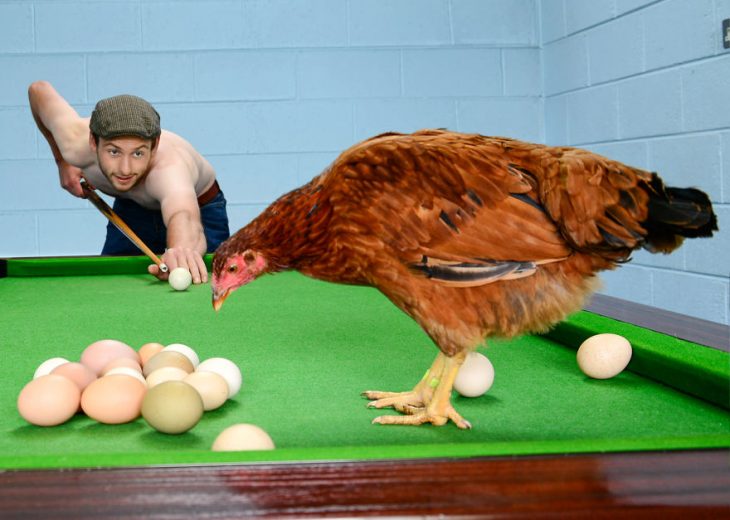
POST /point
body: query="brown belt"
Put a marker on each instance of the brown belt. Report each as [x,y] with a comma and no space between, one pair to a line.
[209,194]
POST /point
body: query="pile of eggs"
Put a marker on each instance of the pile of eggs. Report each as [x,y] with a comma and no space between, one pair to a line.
[114,384]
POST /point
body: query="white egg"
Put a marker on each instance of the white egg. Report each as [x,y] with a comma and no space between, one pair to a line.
[225,368]
[127,372]
[243,437]
[48,365]
[180,279]
[475,376]
[604,355]
[185,351]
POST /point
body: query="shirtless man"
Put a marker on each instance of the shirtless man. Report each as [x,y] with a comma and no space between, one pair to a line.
[163,188]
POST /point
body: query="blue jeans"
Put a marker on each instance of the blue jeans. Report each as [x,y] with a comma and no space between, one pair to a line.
[148,225]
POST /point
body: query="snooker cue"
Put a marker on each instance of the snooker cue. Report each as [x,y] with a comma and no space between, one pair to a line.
[120,225]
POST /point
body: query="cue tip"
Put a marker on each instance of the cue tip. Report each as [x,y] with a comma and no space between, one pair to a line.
[163,267]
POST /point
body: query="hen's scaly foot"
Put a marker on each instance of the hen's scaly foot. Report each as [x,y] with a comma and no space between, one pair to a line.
[404,402]
[423,416]
[418,398]
[428,402]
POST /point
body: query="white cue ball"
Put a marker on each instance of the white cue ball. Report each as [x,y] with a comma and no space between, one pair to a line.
[243,437]
[475,376]
[604,355]
[180,279]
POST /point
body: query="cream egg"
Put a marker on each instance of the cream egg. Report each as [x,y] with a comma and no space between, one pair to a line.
[131,372]
[243,437]
[165,374]
[475,376]
[227,369]
[211,387]
[604,355]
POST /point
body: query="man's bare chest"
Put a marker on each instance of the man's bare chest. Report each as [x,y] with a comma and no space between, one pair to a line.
[138,193]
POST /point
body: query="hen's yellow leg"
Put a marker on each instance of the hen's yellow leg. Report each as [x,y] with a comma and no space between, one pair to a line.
[436,408]
[413,400]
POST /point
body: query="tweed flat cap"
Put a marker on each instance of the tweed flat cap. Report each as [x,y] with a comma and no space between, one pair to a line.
[125,115]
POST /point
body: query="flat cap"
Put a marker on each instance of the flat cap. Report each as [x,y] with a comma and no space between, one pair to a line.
[125,115]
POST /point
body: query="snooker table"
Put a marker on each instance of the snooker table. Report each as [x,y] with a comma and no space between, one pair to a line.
[546,440]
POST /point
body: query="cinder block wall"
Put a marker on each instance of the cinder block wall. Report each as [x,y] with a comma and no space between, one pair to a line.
[647,83]
[269,90]
[272,90]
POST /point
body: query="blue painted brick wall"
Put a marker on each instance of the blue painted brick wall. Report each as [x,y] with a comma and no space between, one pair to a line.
[269,90]
[647,82]
[272,90]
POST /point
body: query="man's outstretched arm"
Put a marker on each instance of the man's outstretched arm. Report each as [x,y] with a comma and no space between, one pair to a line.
[67,133]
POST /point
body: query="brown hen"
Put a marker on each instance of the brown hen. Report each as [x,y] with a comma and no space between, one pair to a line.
[471,236]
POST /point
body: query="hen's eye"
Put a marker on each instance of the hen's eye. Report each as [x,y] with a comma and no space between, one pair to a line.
[232,268]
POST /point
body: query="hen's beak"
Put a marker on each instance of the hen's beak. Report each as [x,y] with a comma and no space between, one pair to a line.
[219,296]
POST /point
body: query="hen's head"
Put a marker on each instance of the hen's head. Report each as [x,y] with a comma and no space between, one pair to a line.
[233,270]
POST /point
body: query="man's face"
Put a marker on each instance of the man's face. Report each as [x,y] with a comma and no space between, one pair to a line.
[124,160]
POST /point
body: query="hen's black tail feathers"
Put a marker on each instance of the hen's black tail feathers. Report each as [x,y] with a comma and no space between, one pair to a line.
[675,213]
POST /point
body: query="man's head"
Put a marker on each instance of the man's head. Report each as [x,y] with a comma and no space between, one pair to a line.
[124,133]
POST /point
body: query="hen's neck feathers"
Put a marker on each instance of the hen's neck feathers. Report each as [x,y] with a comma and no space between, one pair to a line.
[291,232]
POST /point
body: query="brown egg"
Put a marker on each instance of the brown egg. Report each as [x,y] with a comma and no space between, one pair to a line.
[167,358]
[80,374]
[49,400]
[97,355]
[148,350]
[121,362]
[113,399]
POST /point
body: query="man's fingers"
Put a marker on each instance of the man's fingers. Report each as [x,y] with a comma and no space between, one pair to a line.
[190,260]
[154,270]
[75,189]
[193,260]
[202,270]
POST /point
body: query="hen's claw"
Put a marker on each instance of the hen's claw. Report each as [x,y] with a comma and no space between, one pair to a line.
[398,400]
[375,394]
[423,416]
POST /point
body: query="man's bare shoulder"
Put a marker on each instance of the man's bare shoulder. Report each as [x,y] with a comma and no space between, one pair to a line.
[174,144]
[177,161]
[174,151]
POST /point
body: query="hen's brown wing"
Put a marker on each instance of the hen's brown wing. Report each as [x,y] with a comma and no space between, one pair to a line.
[450,198]
[599,204]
